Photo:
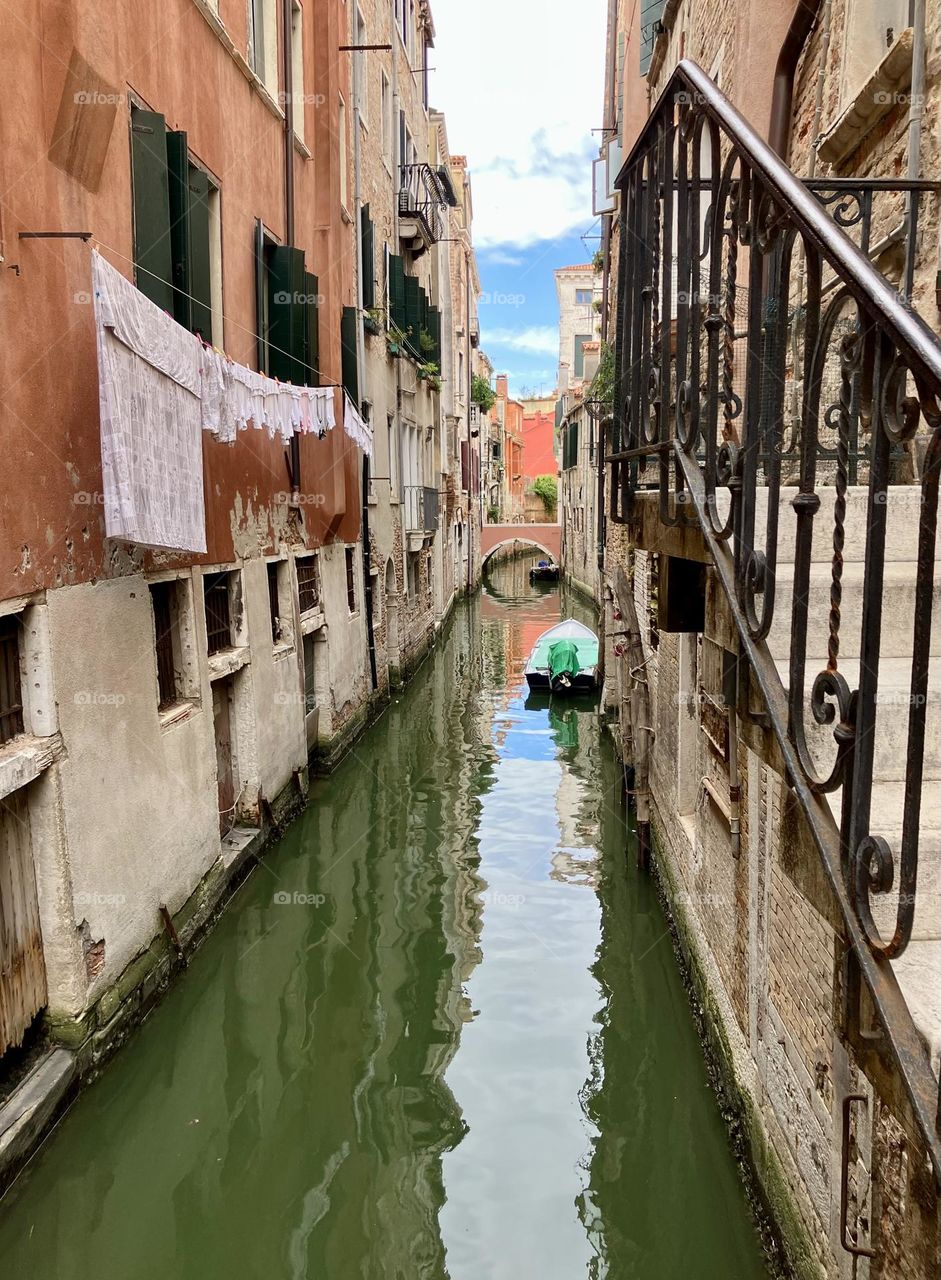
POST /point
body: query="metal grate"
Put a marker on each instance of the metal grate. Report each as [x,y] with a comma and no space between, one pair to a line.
[273,605]
[350,580]
[11,701]
[308,583]
[218,617]
[161,596]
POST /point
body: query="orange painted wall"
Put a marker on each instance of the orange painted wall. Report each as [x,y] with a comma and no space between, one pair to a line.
[169,58]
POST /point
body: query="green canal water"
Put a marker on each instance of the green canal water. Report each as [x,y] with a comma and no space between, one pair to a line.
[440,1033]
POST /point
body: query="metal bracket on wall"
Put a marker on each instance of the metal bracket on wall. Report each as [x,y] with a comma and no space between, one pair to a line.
[859,1251]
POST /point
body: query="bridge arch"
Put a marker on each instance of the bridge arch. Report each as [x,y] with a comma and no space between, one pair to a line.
[541,537]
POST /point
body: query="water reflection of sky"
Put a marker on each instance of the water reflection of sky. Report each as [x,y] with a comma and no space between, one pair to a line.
[514,1182]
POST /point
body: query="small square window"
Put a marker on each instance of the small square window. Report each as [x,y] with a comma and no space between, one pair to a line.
[351,578]
[216,595]
[11,696]
[308,583]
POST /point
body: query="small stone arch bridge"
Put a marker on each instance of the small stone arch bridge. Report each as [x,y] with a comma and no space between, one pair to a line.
[542,537]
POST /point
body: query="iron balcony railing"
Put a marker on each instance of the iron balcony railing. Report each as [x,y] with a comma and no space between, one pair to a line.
[703,400]
[422,505]
[423,196]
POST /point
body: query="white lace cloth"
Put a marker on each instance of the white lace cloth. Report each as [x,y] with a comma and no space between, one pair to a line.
[354,426]
[149,397]
[158,388]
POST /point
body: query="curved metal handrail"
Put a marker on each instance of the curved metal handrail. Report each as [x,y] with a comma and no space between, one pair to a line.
[681,406]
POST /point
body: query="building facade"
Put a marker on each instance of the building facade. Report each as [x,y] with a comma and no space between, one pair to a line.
[288,217]
[802,1011]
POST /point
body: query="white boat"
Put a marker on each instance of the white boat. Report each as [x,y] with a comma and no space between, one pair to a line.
[565,659]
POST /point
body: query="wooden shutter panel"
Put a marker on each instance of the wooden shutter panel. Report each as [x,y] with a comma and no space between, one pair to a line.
[369,261]
[412,312]
[434,329]
[152,249]
[200,253]
[312,289]
[650,14]
[287,321]
[261,298]
[348,344]
[397,292]
[178,189]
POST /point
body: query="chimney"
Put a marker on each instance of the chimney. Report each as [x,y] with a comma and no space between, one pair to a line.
[503,386]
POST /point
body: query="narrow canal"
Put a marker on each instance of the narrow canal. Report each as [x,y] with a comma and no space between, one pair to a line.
[440,1033]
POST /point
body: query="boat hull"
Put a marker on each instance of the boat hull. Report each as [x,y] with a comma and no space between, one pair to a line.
[584,682]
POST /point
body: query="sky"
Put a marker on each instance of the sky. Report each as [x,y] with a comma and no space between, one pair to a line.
[521,85]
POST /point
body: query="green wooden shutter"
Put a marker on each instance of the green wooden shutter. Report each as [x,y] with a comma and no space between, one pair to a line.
[397,292]
[434,329]
[178,188]
[650,14]
[152,249]
[200,253]
[369,261]
[348,344]
[261,298]
[287,321]
[312,288]
[412,312]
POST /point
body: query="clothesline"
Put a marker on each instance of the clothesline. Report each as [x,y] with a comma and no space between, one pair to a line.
[98,244]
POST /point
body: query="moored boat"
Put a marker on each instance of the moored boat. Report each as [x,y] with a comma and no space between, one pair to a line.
[544,571]
[565,659]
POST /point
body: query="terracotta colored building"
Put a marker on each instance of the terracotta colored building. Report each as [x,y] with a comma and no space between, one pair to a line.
[539,438]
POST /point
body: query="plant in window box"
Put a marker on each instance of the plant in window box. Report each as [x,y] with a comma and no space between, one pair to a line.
[426,342]
[430,374]
[374,320]
[396,339]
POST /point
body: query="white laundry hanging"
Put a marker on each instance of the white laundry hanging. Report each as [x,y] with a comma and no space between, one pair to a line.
[354,426]
[149,391]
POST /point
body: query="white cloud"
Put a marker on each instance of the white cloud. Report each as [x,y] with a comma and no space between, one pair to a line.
[497,258]
[521,86]
[537,339]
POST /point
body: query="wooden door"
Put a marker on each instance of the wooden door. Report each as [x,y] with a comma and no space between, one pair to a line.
[225,776]
[22,967]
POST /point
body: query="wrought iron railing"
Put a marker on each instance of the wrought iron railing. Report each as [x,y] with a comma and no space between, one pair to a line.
[422,195]
[701,416]
[422,506]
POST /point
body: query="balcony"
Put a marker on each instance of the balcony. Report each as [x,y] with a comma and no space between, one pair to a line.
[424,195]
[422,506]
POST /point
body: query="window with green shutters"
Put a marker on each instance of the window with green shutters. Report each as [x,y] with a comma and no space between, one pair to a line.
[579,364]
[651,12]
[350,361]
[287,303]
[369,260]
[397,292]
[172,223]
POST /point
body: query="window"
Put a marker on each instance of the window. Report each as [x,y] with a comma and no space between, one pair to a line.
[297,68]
[651,12]
[388,140]
[217,589]
[276,570]
[344,160]
[351,578]
[580,340]
[411,574]
[393,457]
[429,579]
[177,226]
[361,69]
[583,297]
[11,698]
[167,643]
[263,42]
[872,26]
[287,307]
[308,583]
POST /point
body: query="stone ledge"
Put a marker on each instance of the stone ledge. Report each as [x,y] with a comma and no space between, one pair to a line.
[32,1108]
[873,101]
[23,759]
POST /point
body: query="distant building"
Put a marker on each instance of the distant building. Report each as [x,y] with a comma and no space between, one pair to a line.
[578,289]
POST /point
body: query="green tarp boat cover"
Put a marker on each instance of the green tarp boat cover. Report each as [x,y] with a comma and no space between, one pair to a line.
[563,659]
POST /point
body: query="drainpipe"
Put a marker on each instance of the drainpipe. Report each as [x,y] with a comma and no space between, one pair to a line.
[782,96]
[287,22]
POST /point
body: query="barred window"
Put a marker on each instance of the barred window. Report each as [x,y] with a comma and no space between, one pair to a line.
[308,583]
[11,699]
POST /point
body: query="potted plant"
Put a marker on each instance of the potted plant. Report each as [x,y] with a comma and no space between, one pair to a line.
[430,374]
[373,320]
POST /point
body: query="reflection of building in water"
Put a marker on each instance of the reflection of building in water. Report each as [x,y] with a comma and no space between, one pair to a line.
[404,939]
[576,797]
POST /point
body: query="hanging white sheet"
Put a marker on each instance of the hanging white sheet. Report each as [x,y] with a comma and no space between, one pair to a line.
[354,426]
[149,391]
